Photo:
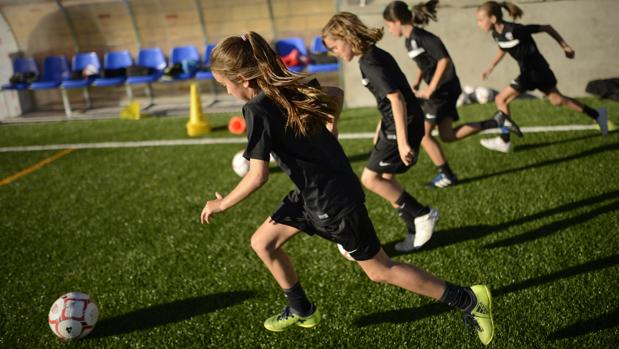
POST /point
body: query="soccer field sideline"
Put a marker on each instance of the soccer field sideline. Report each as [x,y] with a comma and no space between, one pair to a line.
[240,140]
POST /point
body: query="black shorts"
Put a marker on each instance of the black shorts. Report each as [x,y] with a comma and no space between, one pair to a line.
[531,79]
[385,157]
[354,231]
[442,105]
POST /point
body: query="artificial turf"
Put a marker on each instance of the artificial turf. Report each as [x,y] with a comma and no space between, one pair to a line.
[539,225]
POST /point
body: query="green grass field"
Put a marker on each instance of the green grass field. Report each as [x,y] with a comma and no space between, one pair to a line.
[539,225]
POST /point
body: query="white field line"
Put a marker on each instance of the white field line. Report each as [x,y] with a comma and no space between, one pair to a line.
[241,140]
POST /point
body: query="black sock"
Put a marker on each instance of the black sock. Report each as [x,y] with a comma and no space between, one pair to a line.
[297,300]
[407,218]
[488,124]
[444,168]
[459,297]
[409,205]
[592,113]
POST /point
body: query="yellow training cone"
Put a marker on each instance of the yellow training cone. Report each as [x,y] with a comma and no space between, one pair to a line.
[131,112]
[197,124]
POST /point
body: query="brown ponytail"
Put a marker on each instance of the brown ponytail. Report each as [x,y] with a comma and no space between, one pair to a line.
[348,27]
[419,15]
[493,8]
[251,58]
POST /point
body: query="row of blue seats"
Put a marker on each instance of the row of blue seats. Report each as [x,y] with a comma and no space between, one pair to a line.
[56,70]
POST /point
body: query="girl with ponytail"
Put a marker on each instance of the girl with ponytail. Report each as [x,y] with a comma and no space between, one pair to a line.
[396,145]
[535,73]
[287,117]
[436,68]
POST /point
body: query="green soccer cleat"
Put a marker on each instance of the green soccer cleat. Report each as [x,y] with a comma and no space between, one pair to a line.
[480,318]
[286,318]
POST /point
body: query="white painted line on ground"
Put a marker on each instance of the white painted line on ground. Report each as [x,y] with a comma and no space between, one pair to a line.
[241,140]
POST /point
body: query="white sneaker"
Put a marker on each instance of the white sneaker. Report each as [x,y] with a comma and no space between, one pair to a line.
[424,227]
[496,144]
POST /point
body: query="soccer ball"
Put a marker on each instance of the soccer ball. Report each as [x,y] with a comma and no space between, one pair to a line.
[345,253]
[73,316]
[240,165]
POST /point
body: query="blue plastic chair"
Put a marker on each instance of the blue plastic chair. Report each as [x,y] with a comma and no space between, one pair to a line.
[22,65]
[284,46]
[149,58]
[183,55]
[55,70]
[114,60]
[80,61]
[206,75]
[317,47]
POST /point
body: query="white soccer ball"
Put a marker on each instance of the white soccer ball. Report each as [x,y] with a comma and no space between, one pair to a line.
[73,316]
[345,253]
[240,165]
[484,95]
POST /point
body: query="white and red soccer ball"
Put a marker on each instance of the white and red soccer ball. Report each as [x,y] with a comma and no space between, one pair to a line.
[73,316]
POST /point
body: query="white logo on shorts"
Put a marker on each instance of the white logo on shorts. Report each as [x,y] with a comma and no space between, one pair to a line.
[383,164]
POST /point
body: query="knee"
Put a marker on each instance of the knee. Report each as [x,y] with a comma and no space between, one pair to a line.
[377,276]
[260,245]
[368,179]
[555,100]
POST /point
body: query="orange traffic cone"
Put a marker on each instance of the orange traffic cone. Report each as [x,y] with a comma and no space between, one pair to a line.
[236,125]
[197,125]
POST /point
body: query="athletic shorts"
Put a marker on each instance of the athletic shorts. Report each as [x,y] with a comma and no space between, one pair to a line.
[385,157]
[354,231]
[442,105]
[529,80]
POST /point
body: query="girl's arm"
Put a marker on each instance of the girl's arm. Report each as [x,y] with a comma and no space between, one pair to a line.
[569,52]
[398,107]
[499,56]
[338,96]
[256,177]
[417,80]
[441,66]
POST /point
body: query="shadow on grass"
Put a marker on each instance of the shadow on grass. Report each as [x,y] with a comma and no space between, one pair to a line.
[167,313]
[582,328]
[556,226]
[584,154]
[453,236]
[413,314]
[531,146]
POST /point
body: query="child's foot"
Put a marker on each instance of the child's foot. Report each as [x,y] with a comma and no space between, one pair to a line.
[442,181]
[505,122]
[287,318]
[480,318]
[424,227]
[496,144]
[602,121]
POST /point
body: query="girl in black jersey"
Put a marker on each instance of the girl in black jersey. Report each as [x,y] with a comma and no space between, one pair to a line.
[517,40]
[400,130]
[437,69]
[286,116]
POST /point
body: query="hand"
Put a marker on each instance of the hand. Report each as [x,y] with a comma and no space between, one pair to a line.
[407,154]
[211,207]
[486,73]
[425,93]
[416,87]
[569,51]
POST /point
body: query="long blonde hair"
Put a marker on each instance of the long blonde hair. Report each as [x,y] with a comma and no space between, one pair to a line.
[348,27]
[493,8]
[249,57]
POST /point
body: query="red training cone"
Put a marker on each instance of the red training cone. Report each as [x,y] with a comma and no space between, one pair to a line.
[236,125]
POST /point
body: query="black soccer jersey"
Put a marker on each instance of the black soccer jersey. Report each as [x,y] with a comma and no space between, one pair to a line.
[516,39]
[382,76]
[316,164]
[426,49]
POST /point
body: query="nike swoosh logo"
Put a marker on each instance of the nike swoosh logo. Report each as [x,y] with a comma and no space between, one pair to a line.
[383,164]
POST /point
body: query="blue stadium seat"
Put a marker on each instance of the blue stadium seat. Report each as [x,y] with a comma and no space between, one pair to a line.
[22,65]
[206,75]
[114,60]
[80,62]
[284,46]
[149,58]
[184,55]
[55,70]
[318,47]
